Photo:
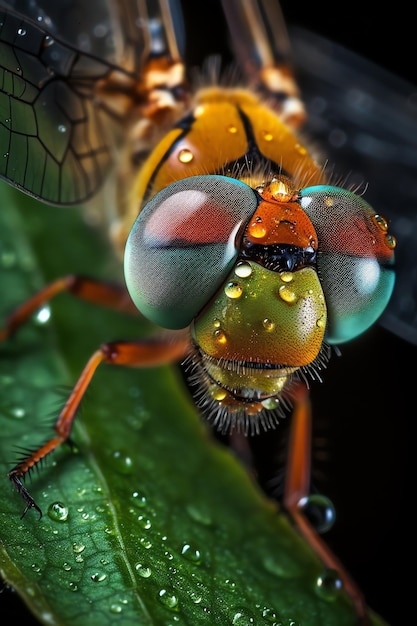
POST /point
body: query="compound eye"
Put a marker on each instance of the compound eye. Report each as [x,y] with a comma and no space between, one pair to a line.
[355,259]
[183,245]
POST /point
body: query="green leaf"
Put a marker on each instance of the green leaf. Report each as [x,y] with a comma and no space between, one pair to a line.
[148,520]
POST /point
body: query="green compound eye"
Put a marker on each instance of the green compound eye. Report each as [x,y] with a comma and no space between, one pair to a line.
[355,259]
[183,244]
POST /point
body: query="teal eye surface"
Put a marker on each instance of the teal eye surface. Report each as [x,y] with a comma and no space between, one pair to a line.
[355,259]
[183,244]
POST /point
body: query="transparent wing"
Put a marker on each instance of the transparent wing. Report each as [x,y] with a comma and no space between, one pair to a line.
[366,120]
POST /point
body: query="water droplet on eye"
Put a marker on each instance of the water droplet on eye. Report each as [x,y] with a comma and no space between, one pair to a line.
[220,336]
[287,295]
[98,578]
[122,462]
[286,277]
[62,128]
[329,585]
[243,269]
[232,129]
[191,553]
[185,155]
[21,32]
[233,290]
[381,222]
[390,241]
[58,512]
[256,229]
[168,598]
[268,324]
[243,617]
[319,510]
[143,570]
[267,135]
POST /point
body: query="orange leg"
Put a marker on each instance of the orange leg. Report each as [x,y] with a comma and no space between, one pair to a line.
[98,292]
[296,489]
[152,352]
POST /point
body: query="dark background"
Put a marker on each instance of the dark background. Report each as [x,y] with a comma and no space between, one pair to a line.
[365,407]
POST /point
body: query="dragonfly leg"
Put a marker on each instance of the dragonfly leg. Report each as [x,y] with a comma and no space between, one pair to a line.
[167,348]
[95,291]
[296,490]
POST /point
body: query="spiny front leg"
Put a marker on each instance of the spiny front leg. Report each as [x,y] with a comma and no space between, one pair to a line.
[167,348]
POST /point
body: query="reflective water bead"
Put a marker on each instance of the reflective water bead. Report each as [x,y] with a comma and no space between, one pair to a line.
[233,290]
[257,229]
[185,155]
[380,221]
[286,277]
[320,511]
[329,585]
[287,294]
[268,324]
[58,512]
[220,336]
[243,269]
[300,149]
[232,129]
[168,598]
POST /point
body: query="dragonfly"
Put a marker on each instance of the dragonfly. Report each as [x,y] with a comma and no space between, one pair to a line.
[61,95]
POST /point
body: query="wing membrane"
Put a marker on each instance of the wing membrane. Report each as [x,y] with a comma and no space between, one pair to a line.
[366,120]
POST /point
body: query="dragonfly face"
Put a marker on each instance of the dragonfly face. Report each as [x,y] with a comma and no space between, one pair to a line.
[233,230]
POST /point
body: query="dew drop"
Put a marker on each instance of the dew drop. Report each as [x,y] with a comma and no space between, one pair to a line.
[18,412]
[21,32]
[122,462]
[78,547]
[217,393]
[67,567]
[73,586]
[270,616]
[62,128]
[144,522]
[233,290]
[191,553]
[243,617]
[145,543]
[36,568]
[286,277]
[267,135]
[329,585]
[243,269]
[390,241]
[220,336]
[232,129]
[185,156]
[256,229]
[287,295]
[116,608]
[319,510]
[43,315]
[139,499]
[143,570]
[98,578]
[268,324]
[168,599]
[58,512]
